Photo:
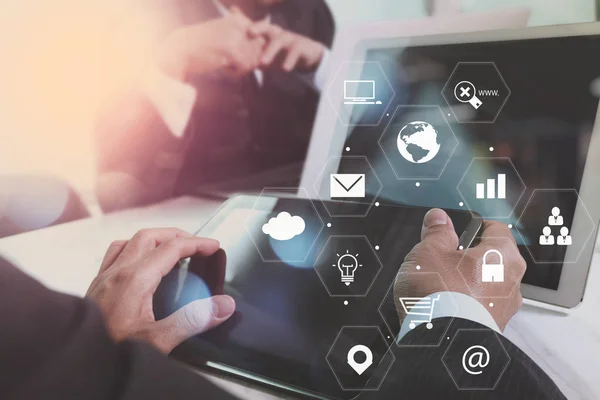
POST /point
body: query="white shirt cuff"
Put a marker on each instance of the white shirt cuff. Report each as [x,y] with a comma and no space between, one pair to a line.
[174,100]
[451,305]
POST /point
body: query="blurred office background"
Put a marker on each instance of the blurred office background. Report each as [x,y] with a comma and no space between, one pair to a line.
[62,59]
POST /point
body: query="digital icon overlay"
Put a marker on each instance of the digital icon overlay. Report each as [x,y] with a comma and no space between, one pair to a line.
[284,226]
[488,190]
[360,358]
[347,264]
[360,367]
[419,310]
[418,142]
[492,187]
[475,359]
[563,238]
[347,186]
[492,272]
[360,92]
[349,179]
[263,225]
[476,92]
[491,269]
[465,92]
[398,319]
[556,219]
[545,215]
[547,238]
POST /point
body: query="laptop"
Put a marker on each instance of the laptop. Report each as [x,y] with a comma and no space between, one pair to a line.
[523,152]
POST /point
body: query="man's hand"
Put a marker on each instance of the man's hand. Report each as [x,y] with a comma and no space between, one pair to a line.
[437,252]
[223,44]
[288,49]
[129,275]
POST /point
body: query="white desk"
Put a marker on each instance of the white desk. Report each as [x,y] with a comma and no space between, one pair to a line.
[67,257]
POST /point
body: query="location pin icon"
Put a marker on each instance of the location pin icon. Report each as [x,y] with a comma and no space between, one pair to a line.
[359,368]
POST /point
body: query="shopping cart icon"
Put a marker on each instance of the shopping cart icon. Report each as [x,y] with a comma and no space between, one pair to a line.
[419,306]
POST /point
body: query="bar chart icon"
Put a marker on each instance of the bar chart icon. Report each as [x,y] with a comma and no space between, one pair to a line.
[489,190]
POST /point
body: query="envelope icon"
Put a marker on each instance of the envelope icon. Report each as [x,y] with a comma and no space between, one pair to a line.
[347,185]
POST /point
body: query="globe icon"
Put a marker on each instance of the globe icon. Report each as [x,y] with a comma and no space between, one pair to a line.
[418,142]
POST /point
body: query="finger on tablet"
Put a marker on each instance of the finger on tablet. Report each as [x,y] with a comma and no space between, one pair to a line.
[439,229]
[165,257]
[495,229]
[147,240]
[192,319]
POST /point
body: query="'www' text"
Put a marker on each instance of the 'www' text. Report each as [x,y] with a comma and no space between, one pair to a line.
[488,93]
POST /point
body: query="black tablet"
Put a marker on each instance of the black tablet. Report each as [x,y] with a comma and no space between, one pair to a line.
[298,277]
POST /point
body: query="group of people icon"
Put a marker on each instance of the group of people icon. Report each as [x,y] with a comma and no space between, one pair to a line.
[547,238]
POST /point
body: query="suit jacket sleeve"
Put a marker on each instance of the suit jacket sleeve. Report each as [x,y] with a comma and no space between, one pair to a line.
[131,136]
[420,373]
[132,139]
[324,24]
[55,346]
[311,18]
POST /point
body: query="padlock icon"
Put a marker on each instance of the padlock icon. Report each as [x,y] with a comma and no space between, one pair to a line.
[492,272]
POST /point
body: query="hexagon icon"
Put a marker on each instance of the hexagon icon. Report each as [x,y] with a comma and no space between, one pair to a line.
[352,190]
[492,187]
[360,358]
[476,92]
[348,266]
[483,268]
[546,226]
[418,142]
[405,311]
[476,359]
[360,93]
[283,230]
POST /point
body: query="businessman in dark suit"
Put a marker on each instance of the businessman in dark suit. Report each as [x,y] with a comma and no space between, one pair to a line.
[447,371]
[107,346]
[232,91]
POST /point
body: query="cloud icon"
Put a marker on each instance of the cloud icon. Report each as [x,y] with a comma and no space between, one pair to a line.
[284,226]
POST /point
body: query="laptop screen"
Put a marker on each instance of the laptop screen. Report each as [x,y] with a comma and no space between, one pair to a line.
[517,157]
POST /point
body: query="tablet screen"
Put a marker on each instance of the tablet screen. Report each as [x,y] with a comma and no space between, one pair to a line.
[542,131]
[288,316]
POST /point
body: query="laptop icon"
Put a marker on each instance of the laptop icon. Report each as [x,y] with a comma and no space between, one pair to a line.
[360,92]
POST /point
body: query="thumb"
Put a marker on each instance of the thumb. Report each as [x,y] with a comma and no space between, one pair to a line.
[192,319]
[438,227]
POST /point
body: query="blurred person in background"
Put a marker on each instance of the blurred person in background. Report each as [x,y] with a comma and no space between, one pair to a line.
[232,91]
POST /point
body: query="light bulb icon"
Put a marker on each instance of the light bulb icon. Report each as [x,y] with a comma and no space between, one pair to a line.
[347,264]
